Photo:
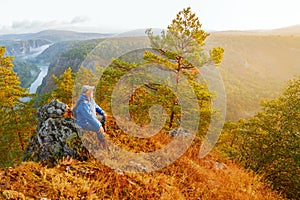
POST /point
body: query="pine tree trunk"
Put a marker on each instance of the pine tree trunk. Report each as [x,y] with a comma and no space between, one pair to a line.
[18,131]
[179,64]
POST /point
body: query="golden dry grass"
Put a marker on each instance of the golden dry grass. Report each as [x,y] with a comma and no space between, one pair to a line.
[188,178]
[184,179]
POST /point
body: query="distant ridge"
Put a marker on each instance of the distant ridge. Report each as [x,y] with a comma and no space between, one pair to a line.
[290,30]
[54,35]
[285,31]
[66,35]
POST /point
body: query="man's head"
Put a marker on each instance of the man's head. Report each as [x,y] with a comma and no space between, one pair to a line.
[88,90]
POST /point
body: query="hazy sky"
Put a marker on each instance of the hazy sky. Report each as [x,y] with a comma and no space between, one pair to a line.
[19,16]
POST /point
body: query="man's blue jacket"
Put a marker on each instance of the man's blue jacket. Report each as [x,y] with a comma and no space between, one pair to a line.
[86,113]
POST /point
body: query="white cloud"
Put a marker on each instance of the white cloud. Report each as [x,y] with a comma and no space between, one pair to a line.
[79,20]
[25,26]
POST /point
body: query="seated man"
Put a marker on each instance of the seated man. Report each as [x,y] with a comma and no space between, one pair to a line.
[86,113]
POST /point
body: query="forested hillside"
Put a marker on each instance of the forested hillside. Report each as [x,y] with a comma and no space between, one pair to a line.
[268,142]
[27,72]
[255,67]
[72,54]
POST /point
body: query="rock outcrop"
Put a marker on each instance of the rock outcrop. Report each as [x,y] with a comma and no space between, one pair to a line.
[57,136]
[179,132]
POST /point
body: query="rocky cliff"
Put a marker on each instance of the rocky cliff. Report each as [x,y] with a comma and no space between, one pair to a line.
[25,47]
[71,54]
[57,68]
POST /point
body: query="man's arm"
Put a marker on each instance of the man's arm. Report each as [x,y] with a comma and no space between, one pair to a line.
[100,111]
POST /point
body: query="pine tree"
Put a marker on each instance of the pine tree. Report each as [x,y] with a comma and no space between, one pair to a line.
[16,116]
[64,87]
[180,49]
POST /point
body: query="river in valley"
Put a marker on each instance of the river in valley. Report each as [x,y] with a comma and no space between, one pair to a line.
[39,79]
